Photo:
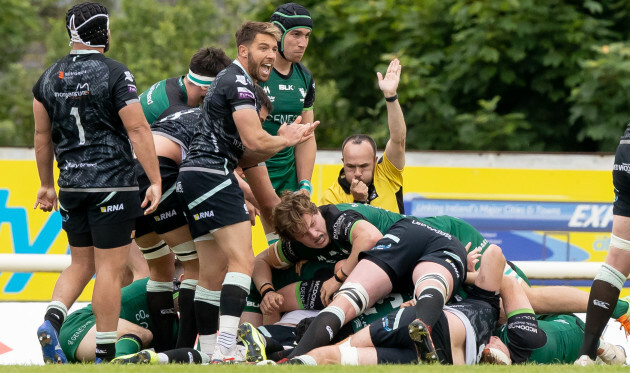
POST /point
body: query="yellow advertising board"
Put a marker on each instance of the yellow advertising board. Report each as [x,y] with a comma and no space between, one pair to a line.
[581,197]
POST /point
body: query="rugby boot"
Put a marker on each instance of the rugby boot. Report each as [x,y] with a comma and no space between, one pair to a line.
[142,357]
[611,354]
[254,343]
[48,339]
[421,337]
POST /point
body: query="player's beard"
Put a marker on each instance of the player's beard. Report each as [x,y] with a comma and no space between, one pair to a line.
[253,68]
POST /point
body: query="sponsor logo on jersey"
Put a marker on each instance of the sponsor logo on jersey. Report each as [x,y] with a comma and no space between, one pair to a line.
[165,215]
[241,79]
[621,167]
[285,87]
[113,208]
[281,118]
[204,215]
[132,88]
[272,99]
[150,94]
[303,92]
[590,215]
[382,247]
[61,75]
[245,93]
[128,76]
[179,188]
[80,90]
[266,90]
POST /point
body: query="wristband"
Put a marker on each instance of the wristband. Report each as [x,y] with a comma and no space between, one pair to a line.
[268,290]
[338,279]
[338,276]
[343,273]
[263,285]
[392,99]
[306,185]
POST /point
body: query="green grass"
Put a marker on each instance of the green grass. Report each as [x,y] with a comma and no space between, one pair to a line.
[298,368]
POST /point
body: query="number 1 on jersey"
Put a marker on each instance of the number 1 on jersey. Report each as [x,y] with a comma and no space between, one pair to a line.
[75,112]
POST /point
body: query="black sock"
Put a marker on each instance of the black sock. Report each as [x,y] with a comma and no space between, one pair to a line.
[162,311]
[183,356]
[279,355]
[105,351]
[272,345]
[601,303]
[321,331]
[207,316]
[429,306]
[187,333]
[233,299]
[55,316]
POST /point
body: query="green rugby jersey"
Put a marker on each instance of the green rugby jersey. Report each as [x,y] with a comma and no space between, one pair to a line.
[290,94]
[160,96]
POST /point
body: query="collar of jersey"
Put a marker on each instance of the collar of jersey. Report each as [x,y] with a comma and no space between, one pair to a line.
[84,51]
[238,63]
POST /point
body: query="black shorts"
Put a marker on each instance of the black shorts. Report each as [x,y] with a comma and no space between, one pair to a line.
[409,242]
[169,214]
[101,219]
[285,335]
[621,179]
[210,200]
[391,333]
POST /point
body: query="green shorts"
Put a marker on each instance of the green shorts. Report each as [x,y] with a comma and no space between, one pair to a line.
[74,330]
[284,277]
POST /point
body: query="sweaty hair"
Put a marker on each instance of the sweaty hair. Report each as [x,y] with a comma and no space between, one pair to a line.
[357,139]
[87,23]
[265,102]
[209,61]
[287,215]
[248,31]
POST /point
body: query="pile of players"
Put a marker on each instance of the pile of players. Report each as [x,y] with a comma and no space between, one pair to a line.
[206,152]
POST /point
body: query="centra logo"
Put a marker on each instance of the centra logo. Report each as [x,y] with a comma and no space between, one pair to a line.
[112,208]
[203,215]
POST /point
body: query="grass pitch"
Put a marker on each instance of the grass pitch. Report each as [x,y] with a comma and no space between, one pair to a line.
[172,368]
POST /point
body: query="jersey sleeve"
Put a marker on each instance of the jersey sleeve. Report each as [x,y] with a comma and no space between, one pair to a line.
[122,85]
[288,252]
[309,100]
[390,171]
[36,89]
[239,95]
[339,224]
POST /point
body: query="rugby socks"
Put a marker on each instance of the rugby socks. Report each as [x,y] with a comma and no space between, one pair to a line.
[184,356]
[604,293]
[56,313]
[106,345]
[207,317]
[321,331]
[429,305]
[621,308]
[162,311]
[279,355]
[233,297]
[187,333]
[303,360]
[128,344]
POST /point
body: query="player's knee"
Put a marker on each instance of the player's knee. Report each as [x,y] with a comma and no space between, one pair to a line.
[356,294]
[435,280]
[609,274]
[494,254]
[523,331]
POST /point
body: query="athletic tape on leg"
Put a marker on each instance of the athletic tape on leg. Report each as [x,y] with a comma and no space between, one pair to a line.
[158,286]
[435,277]
[337,312]
[349,355]
[238,279]
[610,275]
[156,251]
[356,294]
[207,296]
[185,251]
[619,243]
[189,284]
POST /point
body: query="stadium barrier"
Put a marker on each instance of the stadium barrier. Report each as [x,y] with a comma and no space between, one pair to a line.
[535,270]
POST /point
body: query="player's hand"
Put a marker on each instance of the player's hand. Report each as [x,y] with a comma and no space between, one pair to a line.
[473,258]
[152,198]
[409,303]
[271,303]
[359,190]
[253,212]
[389,83]
[47,199]
[329,288]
